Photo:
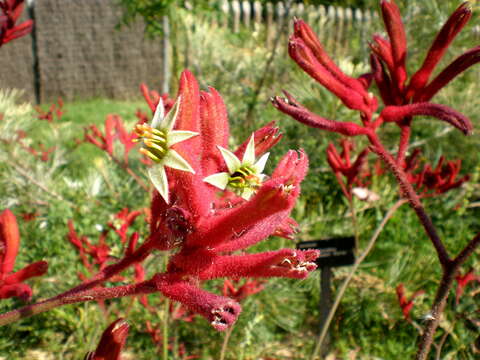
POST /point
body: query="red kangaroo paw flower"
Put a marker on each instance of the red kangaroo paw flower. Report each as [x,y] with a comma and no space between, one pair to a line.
[382,49]
[222,312]
[396,33]
[442,112]
[9,241]
[406,304]
[111,343]
[193,192]
[449,31]
[19,290]
[304,57]
[459,65]
[265,138]
[291,107]
[305,32]
[463,281]
[288,263]
[151,97]
[249,287]
[38,268]
[214,130]
[259,217]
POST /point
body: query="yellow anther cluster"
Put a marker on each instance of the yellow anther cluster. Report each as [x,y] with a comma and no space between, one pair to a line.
[154,141]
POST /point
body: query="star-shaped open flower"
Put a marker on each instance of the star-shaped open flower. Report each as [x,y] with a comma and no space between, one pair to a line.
[158,138]
[243,177]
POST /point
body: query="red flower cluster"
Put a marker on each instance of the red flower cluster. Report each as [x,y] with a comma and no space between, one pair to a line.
[403,100]
[205,228]
[11,284]
[433,181]
[341,164]
[463,281]
[55,111]
[406,304]
[239,290]
[114,129]
[10,12]
[152,98]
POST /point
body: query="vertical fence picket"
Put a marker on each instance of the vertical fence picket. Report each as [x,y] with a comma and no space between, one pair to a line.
[338,30]
[270,30]
[224,14]
[236,15]
[347,30]
[330,29]
[280,17]
[257,14]
[246,13]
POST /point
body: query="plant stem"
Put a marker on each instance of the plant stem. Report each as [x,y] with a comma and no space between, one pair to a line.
[225,343]
[441,297]
[410,194]
[344,286]
[165,329]
[145,287]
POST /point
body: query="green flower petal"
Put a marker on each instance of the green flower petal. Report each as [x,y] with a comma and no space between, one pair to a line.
[260,164]
[249,155]
[219,180]
[175,161]
[159,114]
[233,163]
[169,121]
[158,176]
[247,193]
[177,136]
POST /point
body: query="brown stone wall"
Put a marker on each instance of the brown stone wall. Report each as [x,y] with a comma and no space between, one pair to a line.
[16,65]
[82,55]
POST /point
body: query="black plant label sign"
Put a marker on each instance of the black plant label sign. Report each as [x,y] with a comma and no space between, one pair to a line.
[333,252]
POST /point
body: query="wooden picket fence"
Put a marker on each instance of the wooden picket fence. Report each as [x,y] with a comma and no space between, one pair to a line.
[334,25]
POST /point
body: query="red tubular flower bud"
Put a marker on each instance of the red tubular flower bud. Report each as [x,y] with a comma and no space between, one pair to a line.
[9,241]
[459,65]
[442,112]
[265,138]
[382,49]
[305,32]
[222,312]
[19,290]
[32,270]
[449,31]
[304,57]
[396,33]
[291,107]
[110,124]
[388,92]
[288,263]
[214,130]
[151,97]
[286,229]
[111,343]
[192,190]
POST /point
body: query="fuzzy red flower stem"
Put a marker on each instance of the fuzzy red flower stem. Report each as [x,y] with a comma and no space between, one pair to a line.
[405,132]
[137,256]
[413,199]
[146,287]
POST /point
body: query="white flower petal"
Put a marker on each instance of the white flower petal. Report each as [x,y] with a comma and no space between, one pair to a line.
[158,176]
[249,155]
[169,121]
[233,163]
[260,164]
[175,161]
[247,193]
[159,114]
[219,180]
[177,136]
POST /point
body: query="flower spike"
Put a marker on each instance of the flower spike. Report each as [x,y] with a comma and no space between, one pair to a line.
[158,138]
